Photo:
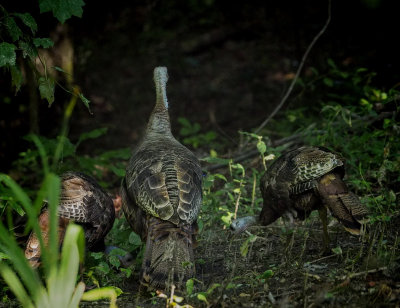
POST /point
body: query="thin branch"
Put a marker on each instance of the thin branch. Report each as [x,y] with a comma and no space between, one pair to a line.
[303,60]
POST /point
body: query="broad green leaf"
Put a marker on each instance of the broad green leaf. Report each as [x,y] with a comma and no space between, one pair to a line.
[189,286]
[261,147]
[43,42]
[28,20]
[62,9]
[46,89]
[7,54]
[72,254]
[13,30]
[220,176]
[134,239]
[16,77]
[337,250]
[15,285]
[202,297]
[27,49]
[76,297]
[213,287]
[114,261]
[267,274]
[110,293]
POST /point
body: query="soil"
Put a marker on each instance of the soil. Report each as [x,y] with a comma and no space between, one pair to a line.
[350,274]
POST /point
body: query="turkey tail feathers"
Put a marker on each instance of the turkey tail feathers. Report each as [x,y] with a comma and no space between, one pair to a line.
[168,258]
[343,204]
[32,250]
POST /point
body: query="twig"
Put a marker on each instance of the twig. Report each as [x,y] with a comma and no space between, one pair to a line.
[323,258]
[379,269]
[303,60]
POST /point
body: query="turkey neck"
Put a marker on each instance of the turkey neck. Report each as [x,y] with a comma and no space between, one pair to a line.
[159,120]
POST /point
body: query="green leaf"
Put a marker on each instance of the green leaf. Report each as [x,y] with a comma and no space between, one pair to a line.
[328,82]
[216,160]
[337,250]
[27,49]
[184,122]
[7,54]
[85,101]
[267,274]
[46,89]
[110,293]
[221,177]
[134,239]
[114,261]
[59,69]
[16,77]
[189,286]
[261,147]
[202,297]
[96,133]
[44,42]
[118,171]
[244,249]
[331,63]
[62,9]
[28,20]
[3,256]
[15,285]
[12,28]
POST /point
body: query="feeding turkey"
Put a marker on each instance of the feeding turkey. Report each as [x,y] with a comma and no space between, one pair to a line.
[84,202]
[301,181]
[162,196]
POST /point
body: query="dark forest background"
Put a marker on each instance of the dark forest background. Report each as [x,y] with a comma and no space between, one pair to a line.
[229,63]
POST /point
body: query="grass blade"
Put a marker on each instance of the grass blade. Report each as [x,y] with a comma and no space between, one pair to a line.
[16,286]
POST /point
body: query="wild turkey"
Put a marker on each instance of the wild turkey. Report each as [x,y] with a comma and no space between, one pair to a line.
[162,196]
[83,201]
[303,180]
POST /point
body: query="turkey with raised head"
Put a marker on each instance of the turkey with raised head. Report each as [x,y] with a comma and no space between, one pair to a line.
[162,196]
[306,179]
[82,201]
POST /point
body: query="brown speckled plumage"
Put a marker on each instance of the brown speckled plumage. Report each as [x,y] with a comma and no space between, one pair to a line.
[83,201]
[162,196]
[307,179]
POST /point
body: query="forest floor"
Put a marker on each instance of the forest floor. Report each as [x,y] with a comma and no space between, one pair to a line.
[285,266]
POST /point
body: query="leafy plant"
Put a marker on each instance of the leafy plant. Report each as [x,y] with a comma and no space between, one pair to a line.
[18,39]
[192,136]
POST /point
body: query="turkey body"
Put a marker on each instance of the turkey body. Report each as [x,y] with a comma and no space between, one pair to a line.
[307,179]
[82,201]
[162,197]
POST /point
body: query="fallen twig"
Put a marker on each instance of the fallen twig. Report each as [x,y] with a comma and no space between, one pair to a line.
[352,275]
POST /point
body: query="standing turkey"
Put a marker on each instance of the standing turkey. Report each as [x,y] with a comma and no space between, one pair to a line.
[162,196]
[83,201]
[303,180]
